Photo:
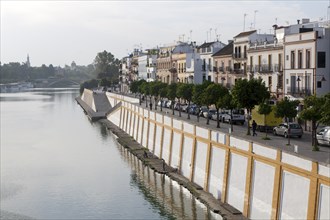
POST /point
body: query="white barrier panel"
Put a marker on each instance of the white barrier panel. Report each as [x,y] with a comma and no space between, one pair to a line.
[177,124]
[151,136]
[158,140]
[152,115]
[129,120]
[324,201]
[218,137]
[159,118]
[262,185]
[167,121]
[296,161]
[202,132]
[236,181]
[124,119]
[166,145]
[145,113]
[200,163]
[295,190]
[137,118]
[176,150]
[238,143]
[325,171]
[186,156]
[217,171]
[140,134]
[145,133]
[264,151]
[114,117]
[188,128]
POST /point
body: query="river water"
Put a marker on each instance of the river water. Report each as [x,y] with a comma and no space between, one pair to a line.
[56,164]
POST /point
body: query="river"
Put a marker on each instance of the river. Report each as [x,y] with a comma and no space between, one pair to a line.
[56,164]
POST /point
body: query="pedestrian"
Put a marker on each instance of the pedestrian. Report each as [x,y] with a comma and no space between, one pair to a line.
[254,127]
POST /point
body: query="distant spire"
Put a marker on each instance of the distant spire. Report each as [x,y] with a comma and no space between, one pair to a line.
[28,61]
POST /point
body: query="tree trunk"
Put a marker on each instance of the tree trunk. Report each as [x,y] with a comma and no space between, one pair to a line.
[155,103]
[288,130]
[218,119]
[231,120]
[207,117]
[188,109]
[161,104]
[172,105]
[249,118]
[179,104]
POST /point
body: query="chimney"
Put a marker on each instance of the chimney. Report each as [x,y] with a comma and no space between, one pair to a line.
[298,21]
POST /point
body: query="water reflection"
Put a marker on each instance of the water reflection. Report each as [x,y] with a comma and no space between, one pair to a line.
[165,195]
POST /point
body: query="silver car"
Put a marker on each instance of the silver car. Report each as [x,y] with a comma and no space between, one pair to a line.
[323,136]
[283,129]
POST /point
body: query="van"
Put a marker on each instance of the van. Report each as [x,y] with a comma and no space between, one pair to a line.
[323,136]
[238,116]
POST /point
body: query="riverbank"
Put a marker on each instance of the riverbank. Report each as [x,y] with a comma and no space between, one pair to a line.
[158,165]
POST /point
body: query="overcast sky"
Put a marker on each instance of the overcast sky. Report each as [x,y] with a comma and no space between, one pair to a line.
[59,32]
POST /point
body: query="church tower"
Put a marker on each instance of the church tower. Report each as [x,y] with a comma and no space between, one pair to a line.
[28,61]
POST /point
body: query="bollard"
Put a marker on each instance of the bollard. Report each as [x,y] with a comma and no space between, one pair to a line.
[295,148]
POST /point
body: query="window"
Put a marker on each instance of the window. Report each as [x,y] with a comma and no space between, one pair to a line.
[319,84]
[321,59]
[292,60]
[269,62]
[299,59]
[270,83]
[308,59]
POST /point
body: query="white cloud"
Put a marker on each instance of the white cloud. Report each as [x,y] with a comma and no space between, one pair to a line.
[58,32]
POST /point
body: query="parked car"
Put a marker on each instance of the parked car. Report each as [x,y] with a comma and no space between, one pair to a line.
[282,129]
[169,104]
[193,110]
[323,136]
[214,116]
[159,103]
[202,110]
[238,116]
[164,103]
[184,107]
[209,113]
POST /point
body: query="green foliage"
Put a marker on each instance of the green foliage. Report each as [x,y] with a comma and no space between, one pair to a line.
[145,88]
[185,91]
[135,86]
[286,108]
[105,82]
[198,92]
[265,108]
[249,93]
[316,110]
[214,94]
[163,90]
[171,91]
[228,102]
[90,84]
[106,65]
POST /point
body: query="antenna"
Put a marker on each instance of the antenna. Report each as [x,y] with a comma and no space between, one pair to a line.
[254,22]
[210,34]
[244,22]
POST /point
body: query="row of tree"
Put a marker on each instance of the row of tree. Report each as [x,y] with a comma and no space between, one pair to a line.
[245,94]
[105,66]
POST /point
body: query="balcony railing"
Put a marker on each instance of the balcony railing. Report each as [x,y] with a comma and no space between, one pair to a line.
[278,68]
[250,68]
[229,68]
[299,91]
[266,68]
[238,71]
[239,55]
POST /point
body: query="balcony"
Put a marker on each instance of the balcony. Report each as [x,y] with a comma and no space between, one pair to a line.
[266,68]
[297,91]
[239,55]
[250,68]
[238,71]
[278,68]
[229,69]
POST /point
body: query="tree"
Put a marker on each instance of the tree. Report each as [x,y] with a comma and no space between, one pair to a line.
[213,95]
[162,93]
[185,91]
[106,65]
[229,103]
[93,83]
[135,88]
[171,94]
[326,110]
[198,94]
[313,111]
[265,109]
[155,88]
[249,93]
[145,89]
[286,109]
[179,96]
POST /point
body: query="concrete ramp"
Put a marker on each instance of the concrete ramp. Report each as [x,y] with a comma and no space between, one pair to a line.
[95,104]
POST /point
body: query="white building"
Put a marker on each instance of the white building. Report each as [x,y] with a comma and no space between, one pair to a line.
[307,59]
[206,50]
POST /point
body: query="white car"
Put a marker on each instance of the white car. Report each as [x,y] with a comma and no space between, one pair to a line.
[323,136]
[238,116]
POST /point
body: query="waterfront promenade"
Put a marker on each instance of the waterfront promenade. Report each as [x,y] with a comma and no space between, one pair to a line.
[276,142]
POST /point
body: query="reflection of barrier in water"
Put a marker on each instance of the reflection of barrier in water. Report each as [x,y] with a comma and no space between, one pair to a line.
[164,194]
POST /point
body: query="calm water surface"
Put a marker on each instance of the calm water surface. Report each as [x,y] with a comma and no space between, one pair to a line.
[56,164]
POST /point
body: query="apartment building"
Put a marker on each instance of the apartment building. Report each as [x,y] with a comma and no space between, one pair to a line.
[166,72]
[206,50]
[307,63]
[223,66]
[147,65]
[265,61]
[240,47]
[124,76]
